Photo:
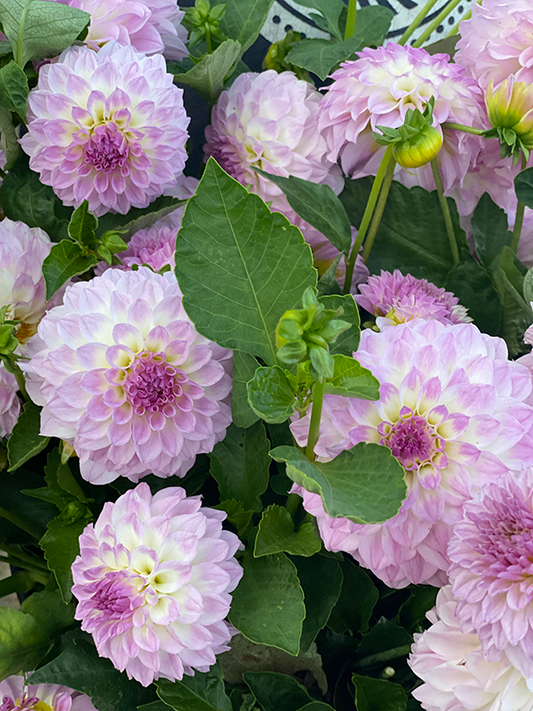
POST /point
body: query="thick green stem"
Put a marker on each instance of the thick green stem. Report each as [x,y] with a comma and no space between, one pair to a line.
[16,521]
[316,415]
[450,7]
[19,375]
[464,129]
[519,219]
[350,20]
[380,207]
[208,45]
[415,24]
[367,217]
[446,212]
[16,553]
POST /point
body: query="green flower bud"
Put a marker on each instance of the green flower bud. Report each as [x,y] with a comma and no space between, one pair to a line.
[8,342]
[275,57]
[293,352]
[322,363]
[510,110]
[419,150]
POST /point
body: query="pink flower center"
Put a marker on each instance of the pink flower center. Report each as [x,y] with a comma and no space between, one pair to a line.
[152,383]
[26,703]
[413,441]
[107,148]
[117,595]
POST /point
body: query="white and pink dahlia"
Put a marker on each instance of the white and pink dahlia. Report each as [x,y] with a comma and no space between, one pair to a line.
[378,89]
[9,403]
[151,26]
[16,695]
[395,298]
[153,580]
[125,378]
[492,569]
[107,127]
[498,42]
[453,412]
[456,675]
[154,246]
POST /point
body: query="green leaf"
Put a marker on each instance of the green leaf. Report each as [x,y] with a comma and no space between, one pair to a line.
[523,184]
[23,643]
[378,695]
[207,77]
[347,617]
[237,515]
[240,464]
[527,287]
[350,379]
[25,441]
[316,706]
[244,367]
[10,139]
[276,691]
[384,642]
[14,89]
[49,610]
[412,613]
[472,285]
[321,56]
[244,20]
[318,205]
[276,534]
[321,599]
[138,218]
[402,238]
[271,395]
[201,692]
[82,226]
[330,11]
[491,231]
[79,667]
[348,342]
[517,314]
[268,604]
[365,483]
[37,29]
[239,266]
[65,260]
[372,24]
[32,516]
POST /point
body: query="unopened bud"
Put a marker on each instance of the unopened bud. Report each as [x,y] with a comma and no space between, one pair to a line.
[510,110]
[420,149]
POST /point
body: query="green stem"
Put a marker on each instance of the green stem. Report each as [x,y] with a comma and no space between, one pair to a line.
[350,20]
[19,375]
[424,12]
[14,552]
[519,220]
[464,129]
[450,7]
[367,217]
[16,563]
[380,207]
[16,521]
[445,211]
[208,45]
[316,415]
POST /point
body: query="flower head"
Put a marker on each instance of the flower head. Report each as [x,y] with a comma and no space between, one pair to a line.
[453,412]
[456,674]
[510,109]
[151,26]
[153,580]
[9,402]
[379,89]
[125,378]
[107,127]
[154,246]
[395,298]
[15,695]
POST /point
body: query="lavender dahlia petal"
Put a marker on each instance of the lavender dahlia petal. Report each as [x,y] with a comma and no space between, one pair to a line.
[9,402]
[124,377]
[15,695]
[453,410]
[153,580]
[107,127]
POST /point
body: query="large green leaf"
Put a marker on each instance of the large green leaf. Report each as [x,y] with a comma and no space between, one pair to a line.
[65,260]
[207,77]
[240,465]
[321,56]
[491,231]
[350,379]
[347,617]
[508,277]
[276,691]
[271,394]
[30,515]
[10,138]
[23,642]
[138,218]
[413,612]
[25,441]
[472,285]
[201,692]
[37,29]
[523,184]
[276,534]
[239,266]
[365,483]
[384,642]
[378,694]
[268,604]
[83,225]
[330,12]
[49,610]
[372,24]
[244,367]
[14,89]
[244,20]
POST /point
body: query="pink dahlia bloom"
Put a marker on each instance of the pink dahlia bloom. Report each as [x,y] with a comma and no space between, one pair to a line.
[151,26]
[395,298]
[452,411]
[124,377]
[15,695]
[9,403]
[154,247]
[107,127]
[492,569]
[456,675]
[498,42]
[153,580]
[378,89]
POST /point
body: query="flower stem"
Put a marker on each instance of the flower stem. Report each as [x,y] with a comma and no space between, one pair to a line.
[380,207]
[446,212]
[292,503]
[208,45]
[350,20]
[316,414]
[464,129]
[19,375]
[424,12]
[519,219]
[450,7]
[15,553]
[367,216]
[15,520]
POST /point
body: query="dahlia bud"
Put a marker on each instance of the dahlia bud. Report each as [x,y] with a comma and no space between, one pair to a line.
[510,110]
[203,21]
[275,57]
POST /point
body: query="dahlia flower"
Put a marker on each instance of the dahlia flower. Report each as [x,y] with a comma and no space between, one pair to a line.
[153,580]
[395,298]
[15,695]
[123,376]
[491,571]
[456,674]
[378,89]
[151,26]
[107,127]
[525,246]
[9,403]
[452,411]
[498,42]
